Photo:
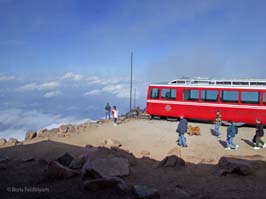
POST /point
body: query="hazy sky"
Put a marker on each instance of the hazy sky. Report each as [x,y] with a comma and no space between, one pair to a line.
[169,38]
[62,60]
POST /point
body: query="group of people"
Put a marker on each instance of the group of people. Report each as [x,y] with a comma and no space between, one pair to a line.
[231,132]
[114,111]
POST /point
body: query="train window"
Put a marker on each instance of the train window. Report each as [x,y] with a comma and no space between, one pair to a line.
[264,98]
[168,93]
[229,96]
[154,93]
[191,95]
[209,95]
[248,97]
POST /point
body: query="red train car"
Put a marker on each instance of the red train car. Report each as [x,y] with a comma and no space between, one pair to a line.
[238,100]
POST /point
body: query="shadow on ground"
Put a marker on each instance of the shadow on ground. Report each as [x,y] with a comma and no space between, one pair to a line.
[192,181]
[248,142]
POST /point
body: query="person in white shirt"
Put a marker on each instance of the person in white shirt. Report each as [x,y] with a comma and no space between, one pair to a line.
[115,115]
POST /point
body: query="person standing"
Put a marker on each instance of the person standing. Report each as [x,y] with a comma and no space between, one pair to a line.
[181,130]
[218,122]
[115,115]
[107,111]
[259,133]
[231,133]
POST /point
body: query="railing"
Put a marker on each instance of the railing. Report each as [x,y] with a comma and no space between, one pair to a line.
[219,82]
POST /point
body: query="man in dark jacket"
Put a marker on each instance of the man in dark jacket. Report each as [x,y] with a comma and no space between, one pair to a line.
[231,132]
[181,130]
[107,111]
[258,135]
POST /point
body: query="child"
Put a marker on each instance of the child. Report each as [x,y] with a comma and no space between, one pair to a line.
[218,122]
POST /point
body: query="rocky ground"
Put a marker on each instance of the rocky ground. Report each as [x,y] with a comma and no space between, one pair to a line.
[137,159]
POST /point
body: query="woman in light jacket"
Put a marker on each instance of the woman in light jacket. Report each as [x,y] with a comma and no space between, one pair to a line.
[115,115]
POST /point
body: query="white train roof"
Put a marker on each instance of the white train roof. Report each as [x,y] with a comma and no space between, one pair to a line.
[220,82]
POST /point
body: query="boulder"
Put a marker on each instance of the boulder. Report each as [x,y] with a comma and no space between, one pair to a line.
[77,163]
[228,165]
[2,141]
[142,191]
[102,183]
[43,133]
[30,135]
[12,141]
[69,128]
[172,161]
[112,143]
[65,159]
[107,167]
[57,171]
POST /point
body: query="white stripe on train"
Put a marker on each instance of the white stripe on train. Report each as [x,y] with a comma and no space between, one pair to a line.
[207,104]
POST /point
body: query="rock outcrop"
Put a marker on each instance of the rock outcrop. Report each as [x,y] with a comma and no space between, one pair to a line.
[172,161]
[2,141]
[57,171]
[238,165]
[107,167]
[30,135]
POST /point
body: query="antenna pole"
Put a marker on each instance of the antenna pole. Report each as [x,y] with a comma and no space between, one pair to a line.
[134,105]
[130,106]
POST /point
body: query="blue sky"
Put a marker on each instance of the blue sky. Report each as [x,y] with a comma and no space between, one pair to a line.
[64,59]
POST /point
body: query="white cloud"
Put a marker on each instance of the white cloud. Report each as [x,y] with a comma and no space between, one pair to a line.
[117,90]
[94,92]
[16,122]
[52,94]
[72,76]
[6,77]
[36,86]
[95,80]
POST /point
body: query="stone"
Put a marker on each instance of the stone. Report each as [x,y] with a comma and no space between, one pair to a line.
[2,141]
[107,167]
[172,161]
[43,133]
[142,191]
[57,171]
[69,128]
[30,135]
[65,159]
[112,143]
[102,183]
[145,153]
[12,141]
[228,165]
[77,163]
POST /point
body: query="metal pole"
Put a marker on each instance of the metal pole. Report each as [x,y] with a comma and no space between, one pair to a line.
[134,104]
[131,82]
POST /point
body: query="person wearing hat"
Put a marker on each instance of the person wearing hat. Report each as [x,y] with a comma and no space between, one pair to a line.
[259,133]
